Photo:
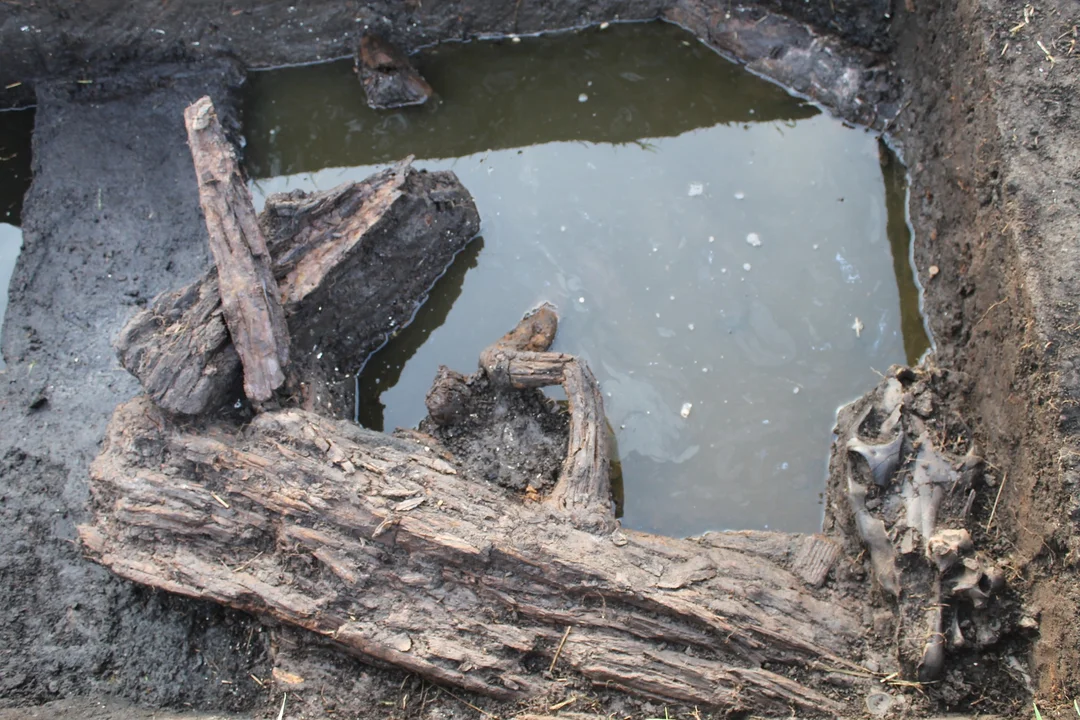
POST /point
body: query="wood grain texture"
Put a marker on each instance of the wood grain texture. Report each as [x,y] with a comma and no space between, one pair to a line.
[250,300]
[380,545]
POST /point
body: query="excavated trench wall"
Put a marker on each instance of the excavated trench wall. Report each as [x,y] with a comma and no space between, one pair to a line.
[999,304]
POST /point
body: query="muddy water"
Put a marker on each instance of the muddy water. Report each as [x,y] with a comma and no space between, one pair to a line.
[725,256]
[15,130]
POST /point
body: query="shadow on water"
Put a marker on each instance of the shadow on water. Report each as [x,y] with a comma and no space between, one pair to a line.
[916,339]
[383,369]
[500,94]
[16,129]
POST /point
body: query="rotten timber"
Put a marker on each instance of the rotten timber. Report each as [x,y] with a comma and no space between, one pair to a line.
[250,301]
[375,247]
[378,544]
[520,360]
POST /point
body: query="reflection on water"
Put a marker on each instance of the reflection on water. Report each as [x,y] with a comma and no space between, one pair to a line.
[16,127]
[622,85]
[709,240]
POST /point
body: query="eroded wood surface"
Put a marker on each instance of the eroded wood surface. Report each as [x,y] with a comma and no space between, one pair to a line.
[382,546]
[520,360]
[384,239]
[389,79]
[250,301]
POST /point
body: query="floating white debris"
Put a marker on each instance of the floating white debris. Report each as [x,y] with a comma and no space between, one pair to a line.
[581,299]
[582,98]
[515,39]
[605,25]
[695,189]
[686,408]
[746,266]
[712,239]
[850,273]
[753,240]
[815,246]
[562,228]
[690,327]
[795,390]
[857,326]
[740,195]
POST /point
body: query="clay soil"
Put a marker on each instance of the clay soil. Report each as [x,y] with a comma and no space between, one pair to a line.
[979,98]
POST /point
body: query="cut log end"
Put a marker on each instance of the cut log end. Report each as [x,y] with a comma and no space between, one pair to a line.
[389,79]
[381,546]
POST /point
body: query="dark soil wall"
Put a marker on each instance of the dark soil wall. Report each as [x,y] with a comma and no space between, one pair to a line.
[992,149]
[861,22]
[63,40]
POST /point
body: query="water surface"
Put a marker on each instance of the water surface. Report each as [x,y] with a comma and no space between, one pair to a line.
[716,248]
[16,127]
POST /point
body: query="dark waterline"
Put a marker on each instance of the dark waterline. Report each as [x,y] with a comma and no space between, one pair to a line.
[609,204]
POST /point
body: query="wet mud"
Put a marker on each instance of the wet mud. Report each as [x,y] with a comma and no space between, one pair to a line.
[982,92]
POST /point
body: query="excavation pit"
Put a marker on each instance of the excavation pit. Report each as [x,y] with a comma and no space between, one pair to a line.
[976,94]
[715,247]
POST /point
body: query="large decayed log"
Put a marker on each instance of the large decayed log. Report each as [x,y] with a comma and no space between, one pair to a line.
[355,241]
[249,294]
[380,545]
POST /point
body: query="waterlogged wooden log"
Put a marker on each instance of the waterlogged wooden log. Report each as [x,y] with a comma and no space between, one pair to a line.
[520,360]
[360,262]
[250,302]
[361,255]
[383,547]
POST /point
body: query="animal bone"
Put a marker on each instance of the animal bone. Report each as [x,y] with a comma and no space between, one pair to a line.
[933,657]
[883,459]
[892,400]
[924,490]
[956,635]
[978,582]
[872,532]
[946,546]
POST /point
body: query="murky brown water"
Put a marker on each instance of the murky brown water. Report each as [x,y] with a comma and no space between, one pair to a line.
[721,253]
[15,130]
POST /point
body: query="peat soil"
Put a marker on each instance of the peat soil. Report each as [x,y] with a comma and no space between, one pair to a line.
[985,91]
